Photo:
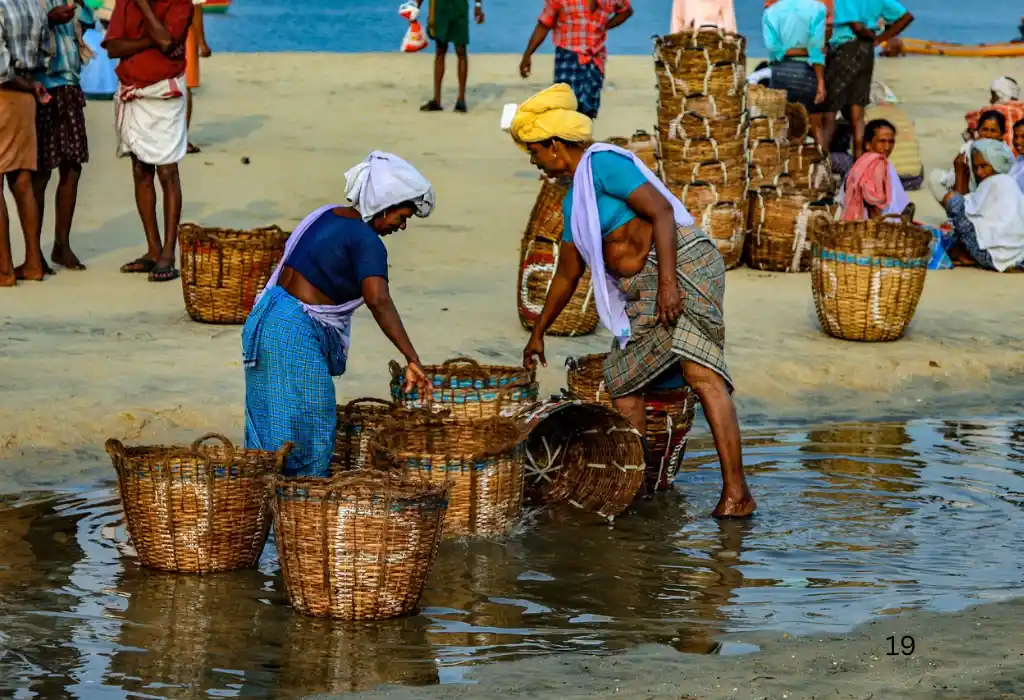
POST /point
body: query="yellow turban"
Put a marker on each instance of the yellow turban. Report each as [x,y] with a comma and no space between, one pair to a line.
[549,114]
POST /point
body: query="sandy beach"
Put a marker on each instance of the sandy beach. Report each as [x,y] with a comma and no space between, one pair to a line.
[86,356]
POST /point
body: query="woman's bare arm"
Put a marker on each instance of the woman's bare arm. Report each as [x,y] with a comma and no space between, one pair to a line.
[378,297]
[649,204]
[563,285]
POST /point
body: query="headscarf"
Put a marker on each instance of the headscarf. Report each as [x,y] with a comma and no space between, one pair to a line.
[881,94]
[551,113]
[997,153]
[693,14]
[384,180]
[867,185]
[1005,89]
[997,211]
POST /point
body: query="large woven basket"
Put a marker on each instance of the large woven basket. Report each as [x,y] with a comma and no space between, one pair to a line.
[698,150]
[700,46]
[645,146]
[767,129]
[693,125]
[224,270]
[669,417]
[358,546]
[469,390]
[358,420]
[538,260]
[198,509]
[809,166]
[766,102]
[728,177]
[779,239]
[583,454]
[481,461]
[867,276]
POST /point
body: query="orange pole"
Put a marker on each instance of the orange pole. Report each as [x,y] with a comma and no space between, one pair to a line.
[192,53]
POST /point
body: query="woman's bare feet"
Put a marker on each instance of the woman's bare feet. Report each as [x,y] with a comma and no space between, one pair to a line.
[30,273]
[65,257]
[735,505]
[8,280]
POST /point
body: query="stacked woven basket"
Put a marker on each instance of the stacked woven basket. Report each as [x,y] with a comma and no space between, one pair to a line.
[224,270]
[702,130]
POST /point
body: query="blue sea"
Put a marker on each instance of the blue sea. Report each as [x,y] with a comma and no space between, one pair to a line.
[374,25]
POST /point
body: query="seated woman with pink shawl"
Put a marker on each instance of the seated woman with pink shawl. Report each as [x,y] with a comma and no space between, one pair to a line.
[873,187]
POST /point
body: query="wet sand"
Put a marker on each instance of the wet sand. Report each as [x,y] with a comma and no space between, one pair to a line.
[976,654]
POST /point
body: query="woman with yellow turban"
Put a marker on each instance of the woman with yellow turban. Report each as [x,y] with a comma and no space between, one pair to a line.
[658,281]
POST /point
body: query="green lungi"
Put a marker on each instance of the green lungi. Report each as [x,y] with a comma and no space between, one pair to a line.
[448,22]
[699,332]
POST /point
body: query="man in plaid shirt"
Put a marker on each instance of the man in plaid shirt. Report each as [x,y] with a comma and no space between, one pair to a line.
[581,35]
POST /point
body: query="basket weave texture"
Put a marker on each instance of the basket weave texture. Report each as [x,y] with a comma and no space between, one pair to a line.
[224,270]
[480,460]
[867,276]
[198,509]
[809,166]
[779,240]
[358,420]
[583,454]
[765,102]
[358,546]
[538,259]
[669,417]
[468,389]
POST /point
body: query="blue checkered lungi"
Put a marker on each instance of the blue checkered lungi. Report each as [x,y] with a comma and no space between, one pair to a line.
[289,396]
[585,79]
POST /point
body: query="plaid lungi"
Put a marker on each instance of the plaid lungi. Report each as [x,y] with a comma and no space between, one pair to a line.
[848,72]
[799,81]
[289,394]
[698,334]
[585,79]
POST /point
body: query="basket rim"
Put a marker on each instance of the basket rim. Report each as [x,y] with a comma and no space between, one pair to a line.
[356,483]
[506,432]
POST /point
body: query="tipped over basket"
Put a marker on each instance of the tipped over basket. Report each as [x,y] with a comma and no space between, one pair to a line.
[583,454]
[669,415]
[468,389]
[198,509]
[480,460]
[224,270]
[867,276]
[358,546]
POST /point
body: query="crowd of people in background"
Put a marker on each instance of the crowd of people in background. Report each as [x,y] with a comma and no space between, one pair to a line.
[44,52]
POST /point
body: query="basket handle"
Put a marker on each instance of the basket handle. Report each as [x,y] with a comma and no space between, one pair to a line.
[351,405]
[213,436]
[115,448]
[474,365]
[281,456]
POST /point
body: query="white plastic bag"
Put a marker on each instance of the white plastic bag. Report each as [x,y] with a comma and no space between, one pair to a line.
[415,38]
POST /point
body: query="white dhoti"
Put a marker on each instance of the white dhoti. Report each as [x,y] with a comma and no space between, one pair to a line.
[151,122]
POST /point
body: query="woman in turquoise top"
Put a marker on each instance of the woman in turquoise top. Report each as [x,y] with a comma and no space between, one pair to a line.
[794,34]
[670,279]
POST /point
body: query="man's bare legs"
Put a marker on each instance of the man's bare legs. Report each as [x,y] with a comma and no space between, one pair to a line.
[713,393]
[7,278]
[463,56]
[34,268]
[440,55]
[66,201]
[161,253]
[857,120]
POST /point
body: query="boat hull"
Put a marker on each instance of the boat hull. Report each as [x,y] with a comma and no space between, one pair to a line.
[937,48]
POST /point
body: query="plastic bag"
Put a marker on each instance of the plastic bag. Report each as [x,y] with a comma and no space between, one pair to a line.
[415,38]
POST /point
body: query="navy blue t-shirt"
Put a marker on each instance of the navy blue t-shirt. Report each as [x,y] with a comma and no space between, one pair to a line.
[337,253]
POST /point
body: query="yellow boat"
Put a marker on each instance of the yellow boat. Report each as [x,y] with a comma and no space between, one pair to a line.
[920,47]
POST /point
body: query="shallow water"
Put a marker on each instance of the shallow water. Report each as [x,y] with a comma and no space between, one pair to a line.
[855,521]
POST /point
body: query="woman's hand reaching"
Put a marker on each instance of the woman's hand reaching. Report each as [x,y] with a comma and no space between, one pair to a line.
[416,378]
[670,303]
[534,351]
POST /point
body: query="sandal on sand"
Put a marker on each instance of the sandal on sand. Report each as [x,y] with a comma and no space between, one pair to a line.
[144,265]
[432,106]
[460,106]
[192,148]
[163,274]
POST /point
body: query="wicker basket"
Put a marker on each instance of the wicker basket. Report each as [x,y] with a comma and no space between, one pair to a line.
[538,260]
[700,150]
[481,461]
[726,225]
[692,125]
[799,122]
[669,416]
[809,167]
[690,49]
[223,270]
[197,509]
[728,177]
[468,389]
[766,102]
[779,237]
[712,107]
[358,420]
[765,129]
[645,146]
[867,276]
[357,546]
[583,454]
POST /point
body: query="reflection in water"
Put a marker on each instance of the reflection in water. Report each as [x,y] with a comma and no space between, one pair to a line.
[855,520]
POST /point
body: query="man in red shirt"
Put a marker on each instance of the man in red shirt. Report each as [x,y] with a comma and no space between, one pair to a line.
[150,113]
[581,35]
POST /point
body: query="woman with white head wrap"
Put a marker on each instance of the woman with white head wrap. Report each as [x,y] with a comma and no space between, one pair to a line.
[297,335]
[1004,89]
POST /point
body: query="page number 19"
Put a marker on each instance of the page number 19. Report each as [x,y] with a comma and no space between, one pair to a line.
[906,646]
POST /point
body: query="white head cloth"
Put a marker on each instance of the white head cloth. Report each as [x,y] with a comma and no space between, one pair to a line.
[1006,89]
[384,180]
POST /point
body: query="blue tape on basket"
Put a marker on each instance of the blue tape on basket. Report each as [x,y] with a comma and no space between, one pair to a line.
[429,466]
[871,260]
